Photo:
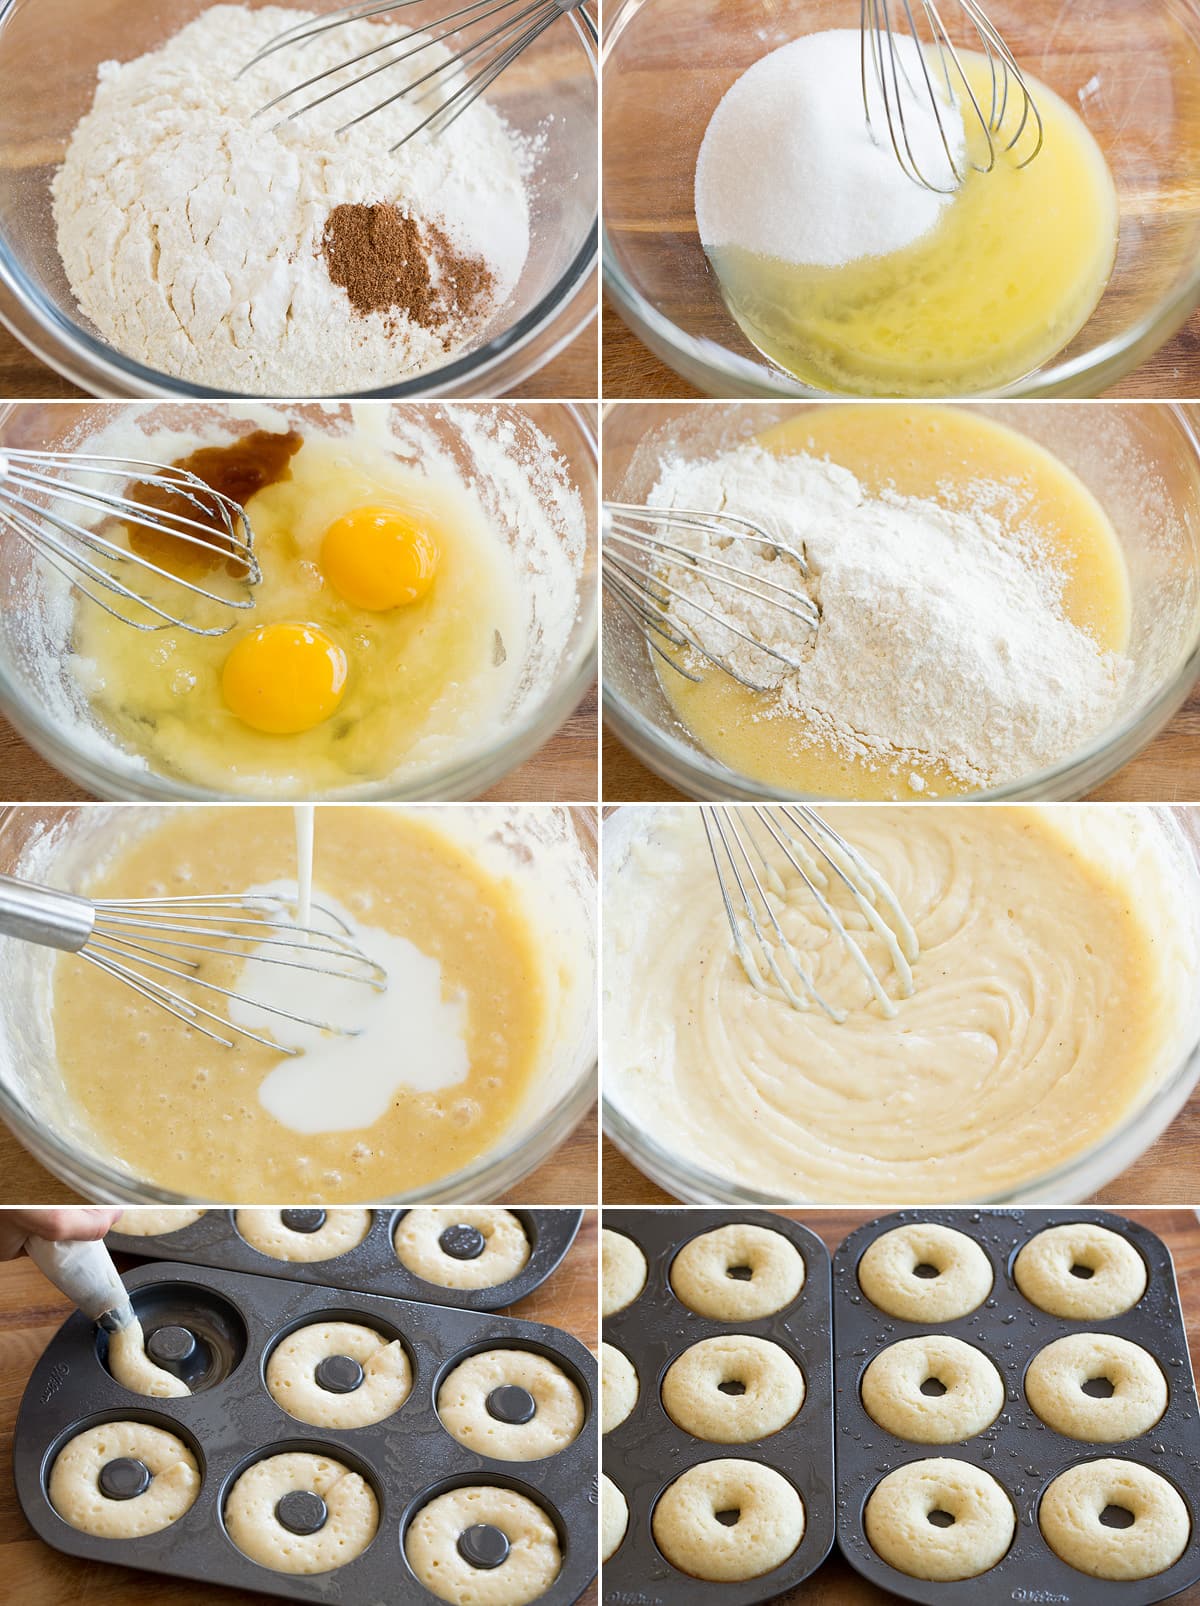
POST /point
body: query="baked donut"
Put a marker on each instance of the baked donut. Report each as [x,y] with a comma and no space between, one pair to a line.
[476,1248]
[1129,1397]
[924,1272]
[733,1390]
[302,1236]
[482,1546]
[123,1480]
[1071,1517]
[134,1370]
[338,1375]
[940,1520]
[622,1271]
[764,1521]
[618,1387]
[1081,1272]
[301,1513]
[145,1221]
[614,1518]
[933,1390]
[738,1273]
[510,1404]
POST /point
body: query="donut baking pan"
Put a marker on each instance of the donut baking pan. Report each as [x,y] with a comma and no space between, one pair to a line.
[647,1452]
[371,1267]
[1019,1450]
[231,1421]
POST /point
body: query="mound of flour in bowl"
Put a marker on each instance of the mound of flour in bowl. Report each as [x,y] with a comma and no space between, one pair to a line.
[942,633]
[192,232]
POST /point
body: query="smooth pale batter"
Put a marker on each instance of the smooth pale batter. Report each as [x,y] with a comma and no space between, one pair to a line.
[1055,986]
[186,1113]
[952,455]
[423,680]
[1004,280]
[131,1366]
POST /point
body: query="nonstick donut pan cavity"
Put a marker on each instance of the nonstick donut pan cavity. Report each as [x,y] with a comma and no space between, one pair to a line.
[648,1451]
[371,1267]
[1019,1450]
[216,1328]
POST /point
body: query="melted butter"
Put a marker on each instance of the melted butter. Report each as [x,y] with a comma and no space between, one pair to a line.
[949,455]
[1005,280]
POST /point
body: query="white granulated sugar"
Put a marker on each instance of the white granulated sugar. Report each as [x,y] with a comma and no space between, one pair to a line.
[191,231]
[942,636]
[789,169]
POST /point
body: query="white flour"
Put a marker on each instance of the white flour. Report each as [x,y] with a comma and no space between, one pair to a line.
[942,636]
[191,232]
[789,169]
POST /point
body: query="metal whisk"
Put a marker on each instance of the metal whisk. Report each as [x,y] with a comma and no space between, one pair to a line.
[646,551]
[139,940]
[937,60]
[44,496]
[756,852]
[511,26]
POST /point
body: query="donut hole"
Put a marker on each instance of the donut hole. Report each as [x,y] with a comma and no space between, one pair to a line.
[925,1271]
[730,1517]
[940,1518]
[732,1386]
[740,1274]
[191,1331]
[1117,1517]
[1081,1271]
[933,1387]
[1100,1388]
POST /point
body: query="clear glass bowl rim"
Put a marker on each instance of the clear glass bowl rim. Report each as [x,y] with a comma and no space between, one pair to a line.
[68,348]
[472,774]
[709,365]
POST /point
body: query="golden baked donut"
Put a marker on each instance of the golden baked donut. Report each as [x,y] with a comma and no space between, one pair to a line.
[622,1271]
[1081,1272]
[618,1387]
[1128,1397]
[905,1520]
[768,1527]
[897,1392]
[767,1385]
[924,1272]
[738,1273]
[614,1518]
[1072,1508]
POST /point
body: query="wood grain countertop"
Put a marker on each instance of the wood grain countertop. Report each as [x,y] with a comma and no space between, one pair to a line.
[572,375]
[30,1313]
[631,372]
[836,1583]
[570,1176]
[564,770]
[1167,771]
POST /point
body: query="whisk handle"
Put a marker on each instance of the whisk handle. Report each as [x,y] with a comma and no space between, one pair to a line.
[43,915]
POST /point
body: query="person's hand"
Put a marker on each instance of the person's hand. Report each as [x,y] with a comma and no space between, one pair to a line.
[81,1223]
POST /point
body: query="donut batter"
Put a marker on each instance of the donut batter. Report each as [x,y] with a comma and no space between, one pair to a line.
[134,1370]
[418,1246]
[465,1403]
[189,1115]
[533,1562]
[147,1222]
[338,1234]
[75,1491]
[350,1525]
[294,1375]
[1054,992]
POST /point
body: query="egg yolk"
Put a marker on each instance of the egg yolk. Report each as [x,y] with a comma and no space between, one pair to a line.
[284,678]
[379,558]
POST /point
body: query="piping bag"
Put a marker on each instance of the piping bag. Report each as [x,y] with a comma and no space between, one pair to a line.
[85,1273]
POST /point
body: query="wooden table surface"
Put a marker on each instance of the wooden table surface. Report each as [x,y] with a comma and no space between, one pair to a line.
[565,770]
[630,371]
[30,1312]
[568,1177]
[571,376]
[1167,771]
[836,1583]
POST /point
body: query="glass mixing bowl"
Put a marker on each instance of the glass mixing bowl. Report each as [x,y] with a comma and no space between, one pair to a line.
[52,49]
[548,853]
[48,706]
[1140,459]
[1165,1094]
[1130,67]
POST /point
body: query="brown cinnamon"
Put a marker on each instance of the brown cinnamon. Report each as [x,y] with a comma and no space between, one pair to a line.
[388,262]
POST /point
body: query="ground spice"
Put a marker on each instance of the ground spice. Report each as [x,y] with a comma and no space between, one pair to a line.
[388,262]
